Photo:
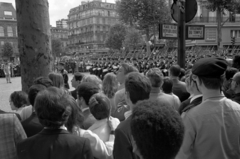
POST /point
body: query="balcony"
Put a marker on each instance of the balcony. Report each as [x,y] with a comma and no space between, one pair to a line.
[214,20]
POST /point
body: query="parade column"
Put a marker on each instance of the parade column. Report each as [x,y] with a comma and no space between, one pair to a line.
[181,34]
[34,40]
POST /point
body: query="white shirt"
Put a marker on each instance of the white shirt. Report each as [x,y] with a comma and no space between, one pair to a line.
[212,131]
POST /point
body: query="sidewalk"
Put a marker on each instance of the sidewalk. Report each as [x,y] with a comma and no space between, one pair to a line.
[7,88]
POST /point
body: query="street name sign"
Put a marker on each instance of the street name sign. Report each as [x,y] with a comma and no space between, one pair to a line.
[168,31]
[195,32]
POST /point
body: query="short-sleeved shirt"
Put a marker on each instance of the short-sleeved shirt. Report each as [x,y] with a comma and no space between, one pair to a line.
[212,130]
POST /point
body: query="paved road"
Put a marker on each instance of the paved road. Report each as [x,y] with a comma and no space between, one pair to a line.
[6,89]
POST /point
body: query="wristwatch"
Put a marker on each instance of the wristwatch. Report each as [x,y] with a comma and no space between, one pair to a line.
[112,132]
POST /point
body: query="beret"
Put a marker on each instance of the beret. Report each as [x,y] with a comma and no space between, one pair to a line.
[210,67]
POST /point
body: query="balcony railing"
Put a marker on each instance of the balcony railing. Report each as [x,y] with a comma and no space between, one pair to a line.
[214,19]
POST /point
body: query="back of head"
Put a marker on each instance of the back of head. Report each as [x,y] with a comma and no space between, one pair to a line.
[156,77]
[78,76]
[175,70]
[128,68]
[110,85]
[43,81]
[163,130]
[167,85]
[86,90]
[138,86]
[236,78]
[53,108]
[230,72]
[100,106]
[57,79]
[93,79]
[19,98]
[33,91]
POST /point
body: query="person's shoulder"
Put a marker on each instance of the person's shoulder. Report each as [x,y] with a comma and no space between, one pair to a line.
[124,125]
[7,118]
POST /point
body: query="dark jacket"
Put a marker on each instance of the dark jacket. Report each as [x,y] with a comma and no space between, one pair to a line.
[237,98]
[54,144]
[189,105]
[31,125]
[89,119]
[122,145]
[179,89]
[74,94]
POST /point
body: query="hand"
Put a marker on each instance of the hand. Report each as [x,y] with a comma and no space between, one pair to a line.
[113,123]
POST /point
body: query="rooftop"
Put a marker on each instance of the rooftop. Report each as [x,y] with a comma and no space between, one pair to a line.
[7,11]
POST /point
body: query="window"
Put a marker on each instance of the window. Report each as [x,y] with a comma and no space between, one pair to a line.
[1,31]
[10,31]
[7,13]
[211,34]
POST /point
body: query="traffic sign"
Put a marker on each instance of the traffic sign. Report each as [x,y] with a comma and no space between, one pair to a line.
[191,8]
[168,31]
[196,32]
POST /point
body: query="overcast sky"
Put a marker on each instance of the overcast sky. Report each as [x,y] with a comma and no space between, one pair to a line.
[59,9]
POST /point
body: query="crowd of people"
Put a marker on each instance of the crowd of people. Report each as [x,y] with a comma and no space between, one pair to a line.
[136,110]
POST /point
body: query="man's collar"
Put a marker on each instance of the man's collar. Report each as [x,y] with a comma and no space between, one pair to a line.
[84,109]
[127,114]
[195,97]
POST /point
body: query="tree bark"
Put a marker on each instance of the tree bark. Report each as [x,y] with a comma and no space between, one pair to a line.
[34,40]
[147,41]
[219,28]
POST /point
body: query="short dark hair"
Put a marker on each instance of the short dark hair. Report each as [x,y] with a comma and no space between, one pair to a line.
[156,77]
[19,98]
[86,90]
[212,83]
[175,70]
[157,129]
[100,106]
[138,86]
[43,81]
[128,68]
[230,72]
[52,107]
[78,76]
[33,91]
[236,62]
[167,85]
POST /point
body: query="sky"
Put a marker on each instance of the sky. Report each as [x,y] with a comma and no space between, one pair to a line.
[59,9]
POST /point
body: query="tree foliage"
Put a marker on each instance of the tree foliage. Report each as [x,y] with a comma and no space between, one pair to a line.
[57,47]
[133,38]
[7,50]
[143,14]
[116,36]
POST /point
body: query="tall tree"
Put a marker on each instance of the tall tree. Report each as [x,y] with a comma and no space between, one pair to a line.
[57,47]
[116,36]
[220,7]
[7,50]
[145,15]
[132,38]
[34,40]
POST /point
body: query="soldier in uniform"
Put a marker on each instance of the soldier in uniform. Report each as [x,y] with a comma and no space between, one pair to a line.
[64,73]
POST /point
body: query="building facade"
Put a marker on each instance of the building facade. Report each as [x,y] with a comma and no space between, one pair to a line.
[89,24]
[230,21]
[62,23]
[61,34]
[8,27]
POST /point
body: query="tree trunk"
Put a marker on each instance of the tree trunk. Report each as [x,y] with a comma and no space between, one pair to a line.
[219,28]
[34,40]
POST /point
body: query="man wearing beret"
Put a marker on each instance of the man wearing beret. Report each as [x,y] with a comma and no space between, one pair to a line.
[212,129]
[235,86]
